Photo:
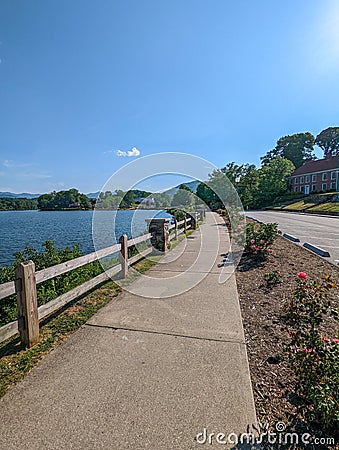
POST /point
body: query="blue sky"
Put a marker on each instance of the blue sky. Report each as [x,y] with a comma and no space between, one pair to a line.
[220,79]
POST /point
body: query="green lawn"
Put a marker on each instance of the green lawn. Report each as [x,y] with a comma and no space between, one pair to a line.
[299,206]
[329,207]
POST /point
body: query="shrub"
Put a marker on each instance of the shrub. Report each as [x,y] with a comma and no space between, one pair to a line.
[314,357]
[50,289]
[259,238]
[273,278]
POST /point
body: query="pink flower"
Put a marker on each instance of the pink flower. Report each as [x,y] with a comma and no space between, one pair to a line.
[302,275]
[252,241]
[308,350]
[336,341]
[258,248]
[262,242]
[253,247]
[270,251]
[326,339]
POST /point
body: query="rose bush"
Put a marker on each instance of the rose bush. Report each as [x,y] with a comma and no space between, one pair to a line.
[259,239]
[314,357]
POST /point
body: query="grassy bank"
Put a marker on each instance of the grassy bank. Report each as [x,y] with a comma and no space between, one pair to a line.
[322,203]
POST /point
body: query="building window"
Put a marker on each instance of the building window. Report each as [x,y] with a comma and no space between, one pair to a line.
[333,185]
[333,176]
[314,178]
[296,180]
[324,177]
[301,188]
[314,187]
[295,188]
[324,187]
[301,180]
[307,179]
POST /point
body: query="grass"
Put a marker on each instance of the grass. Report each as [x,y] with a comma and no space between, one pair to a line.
[298,206]
[329,207]
[16,361]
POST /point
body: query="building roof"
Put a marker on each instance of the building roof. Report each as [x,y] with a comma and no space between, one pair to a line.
[318,165]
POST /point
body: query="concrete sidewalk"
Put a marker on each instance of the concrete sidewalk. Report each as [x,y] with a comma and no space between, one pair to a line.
[145,372]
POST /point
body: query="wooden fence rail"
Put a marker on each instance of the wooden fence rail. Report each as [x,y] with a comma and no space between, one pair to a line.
[26,280]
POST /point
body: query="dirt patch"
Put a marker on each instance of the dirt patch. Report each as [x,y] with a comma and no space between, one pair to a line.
[274,383]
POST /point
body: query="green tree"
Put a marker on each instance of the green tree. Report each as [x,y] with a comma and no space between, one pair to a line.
[183,198]
[297,148]
[273,180]
[206,194]
[328,141]
[235,172]
[249,188]
[64,200]
[217,190]
[128,200]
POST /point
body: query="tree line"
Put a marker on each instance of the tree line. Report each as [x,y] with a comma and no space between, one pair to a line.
[260,187]
[18,204]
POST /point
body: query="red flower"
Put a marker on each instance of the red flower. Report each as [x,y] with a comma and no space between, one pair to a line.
[302,275]
[270,251]
[336,341]
[326,339]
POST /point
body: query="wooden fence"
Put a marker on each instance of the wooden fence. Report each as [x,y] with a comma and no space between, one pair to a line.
[26,280]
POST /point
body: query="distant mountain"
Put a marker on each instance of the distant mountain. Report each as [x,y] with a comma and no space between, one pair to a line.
[22,195]
[191,184]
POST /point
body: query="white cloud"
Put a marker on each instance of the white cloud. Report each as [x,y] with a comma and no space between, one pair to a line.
[129,153]
[8,163]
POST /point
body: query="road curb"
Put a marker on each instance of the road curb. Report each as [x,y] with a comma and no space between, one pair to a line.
[291,238]
[319,251]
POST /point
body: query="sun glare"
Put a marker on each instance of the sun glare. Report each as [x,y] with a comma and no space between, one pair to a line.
[327,37]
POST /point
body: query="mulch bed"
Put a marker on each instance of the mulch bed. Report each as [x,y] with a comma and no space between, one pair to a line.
[274,383]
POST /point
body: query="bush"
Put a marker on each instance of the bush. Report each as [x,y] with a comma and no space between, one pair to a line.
[50,289]
[314,357]
[259,238]
[272,278]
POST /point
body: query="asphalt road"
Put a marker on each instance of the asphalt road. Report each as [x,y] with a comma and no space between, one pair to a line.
[320,231]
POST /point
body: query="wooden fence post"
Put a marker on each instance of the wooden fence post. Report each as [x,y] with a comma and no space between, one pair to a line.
[25,286]
[175,229]
[123,256]
[185,226]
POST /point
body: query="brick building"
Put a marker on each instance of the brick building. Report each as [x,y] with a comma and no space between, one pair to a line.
[318,175]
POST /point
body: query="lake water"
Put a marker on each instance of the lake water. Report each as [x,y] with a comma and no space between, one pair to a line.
[65,228]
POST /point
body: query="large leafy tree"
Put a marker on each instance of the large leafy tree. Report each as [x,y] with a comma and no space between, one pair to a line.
[208,196]
[328,141]
[249,187]
[183,198]
[218,190]
[234,172]
[273,180]
[297,148]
